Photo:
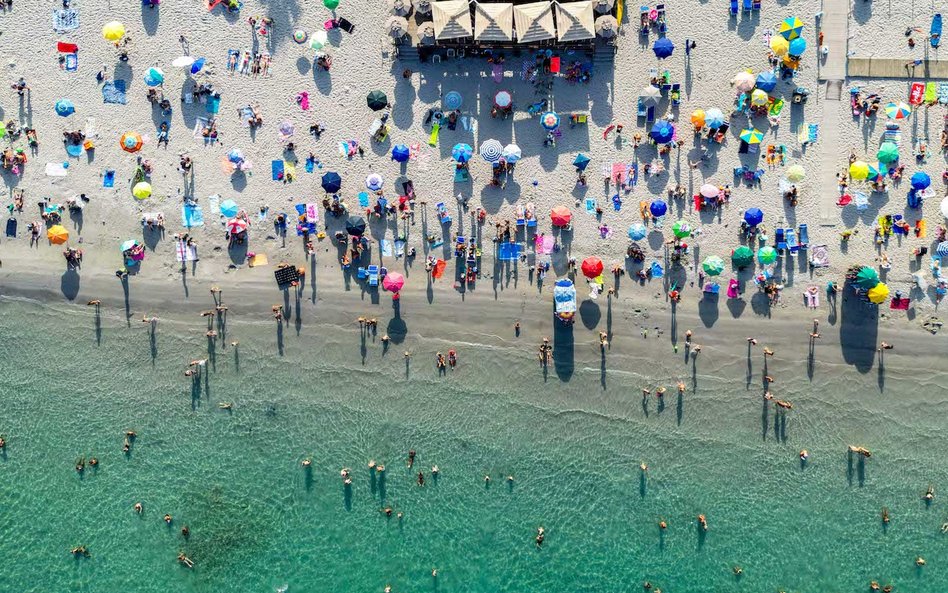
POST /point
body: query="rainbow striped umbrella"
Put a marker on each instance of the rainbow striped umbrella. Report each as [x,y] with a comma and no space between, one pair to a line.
[550,120]
[897,110]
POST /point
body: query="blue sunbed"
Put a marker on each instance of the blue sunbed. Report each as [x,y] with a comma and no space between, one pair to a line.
[373,272]
[792,241]
[734,8]
[779,239]
[804,236]
[748,5]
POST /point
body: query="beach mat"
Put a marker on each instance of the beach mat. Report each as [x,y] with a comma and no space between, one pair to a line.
[192,215]
[66,48]
[55,170]
[11,227]
[900,304]
[65,20]
[276,170]
[72,62]
[213,105]
[185,253]
[113,91]
[108,180]
[74,150]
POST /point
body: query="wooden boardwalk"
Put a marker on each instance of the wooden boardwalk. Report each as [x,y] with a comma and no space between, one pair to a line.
[892,68]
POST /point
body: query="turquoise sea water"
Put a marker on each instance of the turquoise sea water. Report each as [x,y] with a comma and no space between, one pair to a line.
[258,521]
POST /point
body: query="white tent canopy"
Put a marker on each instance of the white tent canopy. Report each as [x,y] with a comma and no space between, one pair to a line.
[452,19]
[534,22]
[493,21]
[574,21]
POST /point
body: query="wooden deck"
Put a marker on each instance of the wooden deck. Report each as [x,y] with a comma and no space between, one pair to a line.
[892,68]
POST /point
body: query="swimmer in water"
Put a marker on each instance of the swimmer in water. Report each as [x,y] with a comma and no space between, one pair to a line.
[168,519]
[421,479]
[138,508]
[435,470]
[662,524]
[885,515]
[541,535]
[703,522]
[411,458]
[929,494]
[307,462]
[804,455]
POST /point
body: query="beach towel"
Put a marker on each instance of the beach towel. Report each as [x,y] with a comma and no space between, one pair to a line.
[214,203]
[66,48]
[65,20]
[931,93]
[386,247]
[213,104]
[618,173]
[191,216]
[776,107]
[509,251]
[74,150]
[113,91]
[11,227]
[943,93]
[921,228]
[544,244]
[55,170]
[590,205]
[276,170]
[290,170]
[108,180]
[819,256]
[258,259]
[185,253]
[812,297]
[438,269]
[399,248]
[302,100]
[72,62]
[900,303]
[732,289]
[497,73]
[246,116]
[363,200]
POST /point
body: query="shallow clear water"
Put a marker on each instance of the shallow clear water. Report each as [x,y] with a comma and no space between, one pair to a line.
[258,521]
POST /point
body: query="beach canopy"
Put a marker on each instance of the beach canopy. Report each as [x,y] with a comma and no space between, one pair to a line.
[767,255]
[921,180]
[492,150]
[462,152]
[184,61]
[128,245]
[697,118]
[867,277]
[299,36]
[878,293]
[876,172]
[581,162]
[534,21]
[131,142]
[712,265]
[400,7]
[779,45]
[742,256]
[744,81]
[709,190]
[637,231]
[113,31]
[790,28]
[897,110]
[650,95]
[714,117]
[376,100]
[197,65]
[575,21]
[154,76]
[795,173]
[141,190]
[797,47]
[658,208]
[57,234]
[64,108]
[512,153]
[452,100]
[422,6]
[681,229]
[753,216]
[355,226]
[400,153]
[766,81]
[393,282]
[503,99]
[560,216]
[452,19]
[888,152]
[663,47]
[229,208]
[662,132]
[550,121]
[752,135]
[592,267]
[331,182]
[493,21]
[374,181]
[859,170]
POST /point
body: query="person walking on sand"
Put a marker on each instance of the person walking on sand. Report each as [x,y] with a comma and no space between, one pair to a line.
[768,351]
[885,346]
[752,341]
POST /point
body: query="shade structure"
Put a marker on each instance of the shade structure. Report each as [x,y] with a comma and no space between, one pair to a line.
[422,6]
[876,173]
[396,26]
[658,208]
[592,267]
[759,98]
[374,181]
[709,190]
[790,28]
[493,21]
[57,234]
[888,152]
[462,152]
[859,170]
[897,110]
[113,31]
[766,81]
[131,141]
[712,265]
[607,26]
[574,21]
[878,293]
[331,182]
[400,7]
[229,208]
[141,190]
[603,6]
[681,229]
[795,173]
[752,135]
[393,282]
[942,249]
[921,180]
[452,100]
[753,216]
[400,153]
[235,226]
[867,277]
[128,245]
[426,33]
[64,108]
[744,81]
[492,150]
[663,47]
[662,132]
[355,226]
[550,120]
[797,47]
[154,76]
[779,45]
[503,99]
[714,117]
[534,22]
[198,64]
[512,153]
[767,255]
[742,256]
[560,216]
[376,100]
[452,19]
[650,95]
[698,118]
[581,162]
[637,231]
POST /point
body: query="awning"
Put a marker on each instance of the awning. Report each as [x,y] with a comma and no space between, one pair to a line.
[574,21]
[534,22]
[493,21]
[452,19]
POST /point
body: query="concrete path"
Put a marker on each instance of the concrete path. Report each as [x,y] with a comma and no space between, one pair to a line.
[834,25]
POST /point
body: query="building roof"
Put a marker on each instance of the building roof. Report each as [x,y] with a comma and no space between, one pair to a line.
[574,21]
[493,21]
[534,21]
[452,19]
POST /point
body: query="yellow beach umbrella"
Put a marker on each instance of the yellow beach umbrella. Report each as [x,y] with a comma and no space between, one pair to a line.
[759,98]
[859,170]
[779,45]
[141,190]
[878,293]
[57,234]
[113,31]
[697,117]
[796,173]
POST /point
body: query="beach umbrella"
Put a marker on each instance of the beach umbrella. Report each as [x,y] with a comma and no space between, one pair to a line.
[888,152]
[779,45]
[581,162]
[878,293]
[426,33]
[491,151]
[663,48]
[550,121]
[400,7]
[235,156]
[859,170]
[662,132]
[154,76]
[658,208]
[331,182]
[374,181]
[714,118]
[376,100]
[355,226]
[637,231]
[197,65]
[944,207]
[709,191]
[235,226]
[767,255]
[331,4]
[299,36]
[462,152]
[318,39]
[113,31]
[867,277]
[744,81]
[742,256]
[183,61]
[606,26]
[767,81]
[452,100]
[797,47]
[393,282]
[650,95]
[128,245]
[796,173]
[396,26]
[752,135]
[229,208]
[921,180]
[400,153]
[681,229]
[759,98]
[697,118]
[64,108]
[131,142]
[503,99]
[512,153]
[713,265]
[57,234]
[603,6]
[560,215]
[422,6]
[753,216]
[791,28]
[876,173]
[897,110]
[942,248]
[141,190]
[592,267]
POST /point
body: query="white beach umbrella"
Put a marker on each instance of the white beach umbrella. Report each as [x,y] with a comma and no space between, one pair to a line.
[944,207]
[183,61]
[606,26]
[603,6]
[650,95]
[426,33]
[512,153]
[400,7]
[422,6]
[396,26]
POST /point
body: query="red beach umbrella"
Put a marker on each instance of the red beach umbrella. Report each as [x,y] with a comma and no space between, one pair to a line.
[560,215]
[592,267]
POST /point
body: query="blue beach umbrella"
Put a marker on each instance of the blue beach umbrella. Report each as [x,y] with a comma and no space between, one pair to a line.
[921,180]
[229,208]
[462,152]
[452,100]
[714,118]
[797,46]
[766,81]
[331,182]
[662,132]
[492,150]
[197,65]
[550,121]
[154,77]
[753,216]
[663,48]
[581,161]
[637,231]
[512,153]
[65,108]
[658,208]
[400,153]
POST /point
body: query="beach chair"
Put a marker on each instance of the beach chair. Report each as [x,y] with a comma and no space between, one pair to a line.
[641,110]
[443,215]
[747,5]
[792,244]
[756,5]
[804,236]
[459,246]
[520,216]
[734,8]
[675,94]
[361,273]
[373,275]
[780,240]
[650,114]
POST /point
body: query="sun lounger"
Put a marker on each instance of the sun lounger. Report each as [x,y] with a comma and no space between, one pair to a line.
[812,297]
[747,5]
[819,256]
[373,275]
[734,8]
[804,236]
[641,110]
[780,240]
[756,4]
[443,213]
[11,227]
[792,244]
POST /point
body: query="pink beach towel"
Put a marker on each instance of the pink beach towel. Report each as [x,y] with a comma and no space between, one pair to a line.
[303,100]
[497,73]
[732,292]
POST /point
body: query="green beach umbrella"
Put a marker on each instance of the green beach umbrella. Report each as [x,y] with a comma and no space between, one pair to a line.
[742,256]
[331,4]
[867,278]
[888,153]
[681,229]
[713,265]
[767,255]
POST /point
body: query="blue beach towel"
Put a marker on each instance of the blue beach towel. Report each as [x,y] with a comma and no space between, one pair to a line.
[192,215]
[276,170]
[108,180]
[213,104]
[65,20]
[72,62]
[363,200]
[11,227]
[74,150]
[113,91]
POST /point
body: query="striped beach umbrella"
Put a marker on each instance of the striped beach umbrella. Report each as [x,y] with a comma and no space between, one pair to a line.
[759,98]
[767,255]
[131,141]
[714,117]
[752,135]
[942,248]
[897,110]
[713,265]
[374,181]
[876,173]
[550,121]
[452,100]
[790,28]
[492,150]
[462,152]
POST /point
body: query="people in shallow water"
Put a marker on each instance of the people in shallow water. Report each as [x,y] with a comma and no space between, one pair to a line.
[138,508]
[168,519]
[703,522]
[929,494]
[185,560]
[860,450]
[541,535]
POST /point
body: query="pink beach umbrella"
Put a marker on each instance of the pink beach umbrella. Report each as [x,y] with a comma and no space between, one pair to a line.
[393,282]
